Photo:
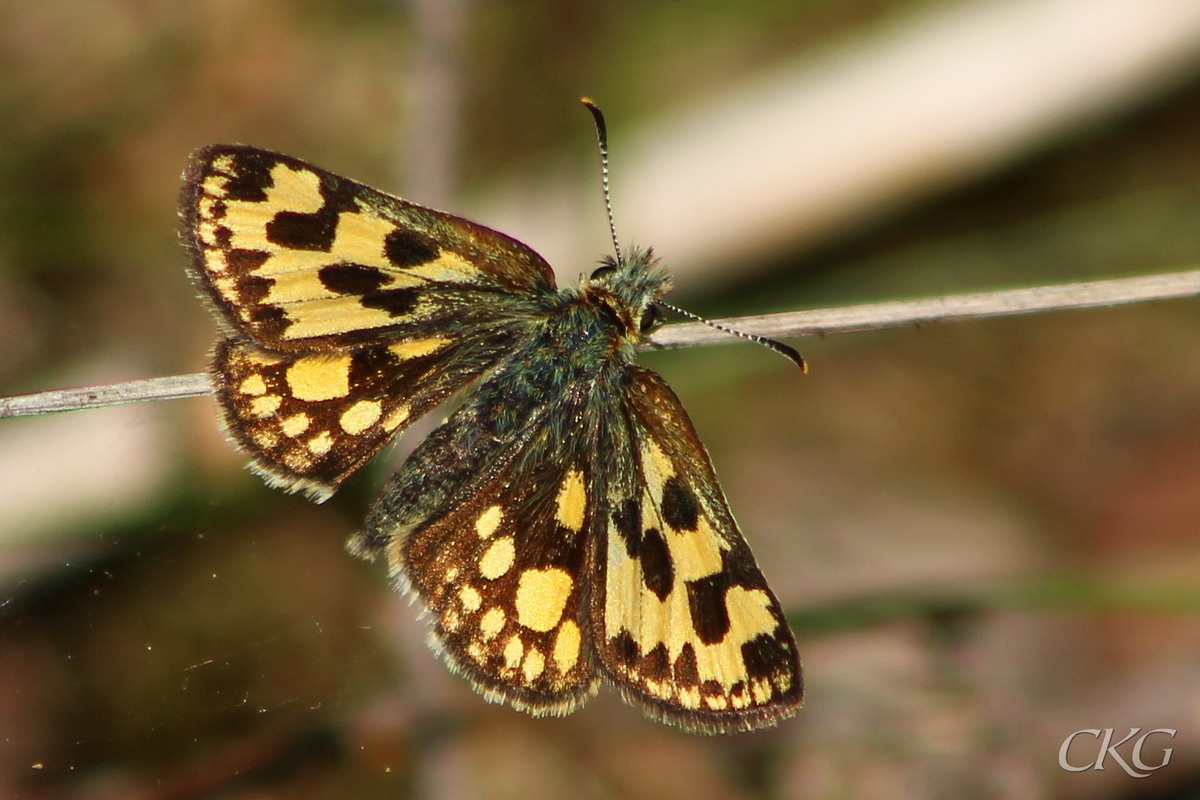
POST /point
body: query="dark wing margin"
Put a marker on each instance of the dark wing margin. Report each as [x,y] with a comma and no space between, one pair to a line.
[685,624]
[298,258]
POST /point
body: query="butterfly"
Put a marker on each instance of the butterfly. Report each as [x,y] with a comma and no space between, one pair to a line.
[564,524]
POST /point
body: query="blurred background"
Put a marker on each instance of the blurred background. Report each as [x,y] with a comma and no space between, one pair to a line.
[986,534]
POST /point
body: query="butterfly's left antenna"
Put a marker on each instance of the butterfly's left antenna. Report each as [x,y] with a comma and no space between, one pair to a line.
[602,137]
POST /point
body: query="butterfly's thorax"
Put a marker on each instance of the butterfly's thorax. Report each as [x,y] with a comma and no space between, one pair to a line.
[586,338]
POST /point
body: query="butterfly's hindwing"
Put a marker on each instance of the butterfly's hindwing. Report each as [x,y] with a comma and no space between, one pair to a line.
[689,628]
[493,540]
[504,576]
[309,420]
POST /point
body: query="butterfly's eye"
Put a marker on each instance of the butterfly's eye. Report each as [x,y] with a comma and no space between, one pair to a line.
[600,272]
[652,317]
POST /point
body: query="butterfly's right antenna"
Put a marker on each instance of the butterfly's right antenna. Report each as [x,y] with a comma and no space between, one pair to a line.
[602,137]
[788,352]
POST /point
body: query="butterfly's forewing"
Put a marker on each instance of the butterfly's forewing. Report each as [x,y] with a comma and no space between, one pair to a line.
[298,258]
[685,623]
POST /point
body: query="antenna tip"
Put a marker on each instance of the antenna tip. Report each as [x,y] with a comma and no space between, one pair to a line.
[597,115]
[788,352]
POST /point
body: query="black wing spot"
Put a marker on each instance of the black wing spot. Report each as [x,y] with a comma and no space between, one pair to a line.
[405,247]
[375,371]
[297,231]
[254,288]
[679,506]
[242,261]
[687,673]
[251,178]
[706,599]
[655,665]
[624,648]
[396,302]
[270,321]
[561,548]
[352,278]
[658,572]
[766,656]
[627,519]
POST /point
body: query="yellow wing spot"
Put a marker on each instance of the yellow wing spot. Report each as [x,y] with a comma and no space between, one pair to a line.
[266,439]
[572,501]
[541,597]
[266,405]
[417,347]
[226,287]
[321,377]
[321,444]
[207,206]
[258,358]
[470,598]
[451,621]
[253,385]
[535,664]
[489,521]
[498,559]
[452,575]
[447,267]
[695,554]
[513,652]
[689,696]
[207,233]
[655,466]
[395,418]
[360,416]
[294,190]
[491,624]
[214,184]
[297,460]
[333,315]
[475,651]
[296,285]
[566,646]
[295,425]
[660,689]
[749,614]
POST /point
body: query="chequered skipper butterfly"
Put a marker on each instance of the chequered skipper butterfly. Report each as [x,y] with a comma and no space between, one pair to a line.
[564,524]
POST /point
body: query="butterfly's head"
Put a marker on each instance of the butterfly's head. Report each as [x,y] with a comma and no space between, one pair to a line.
[628,291]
